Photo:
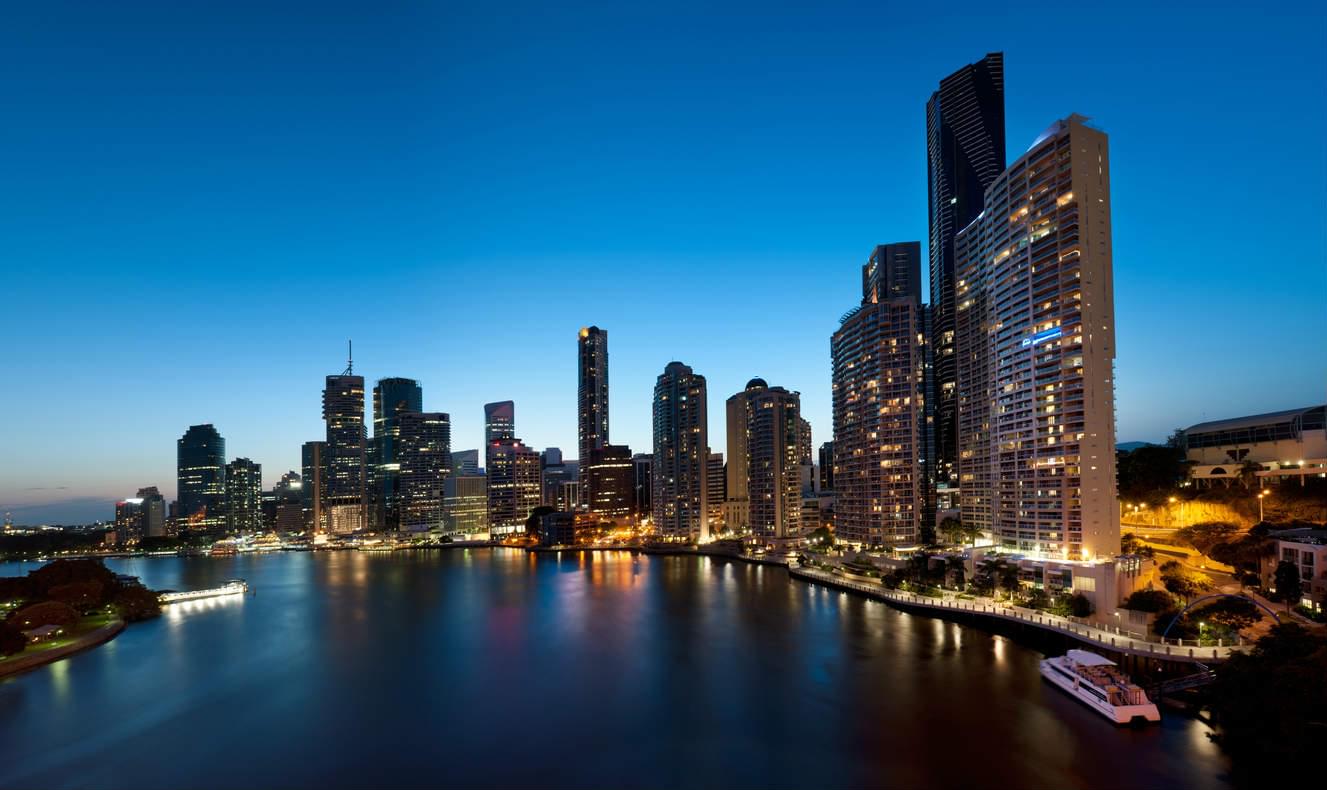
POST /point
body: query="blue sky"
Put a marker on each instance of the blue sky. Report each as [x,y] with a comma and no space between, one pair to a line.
[202,202]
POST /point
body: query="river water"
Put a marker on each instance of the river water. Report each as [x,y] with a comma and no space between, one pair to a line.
[498,668]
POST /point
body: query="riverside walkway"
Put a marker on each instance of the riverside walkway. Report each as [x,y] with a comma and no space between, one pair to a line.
[1171,650]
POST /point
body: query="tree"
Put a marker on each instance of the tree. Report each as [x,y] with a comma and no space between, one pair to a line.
[1009,580]
[12,640]
[44,613]
[1079,605]
[135,603]
[927,535]
[1150,601]
[1288,584]
[821,536]
[1184,582]
[1207,536]
[1248,474]
[532,522]
[952,529]
[86,597]
[1233,613]
[956,569]
[1148,470]
[1269,702]
[1130,544]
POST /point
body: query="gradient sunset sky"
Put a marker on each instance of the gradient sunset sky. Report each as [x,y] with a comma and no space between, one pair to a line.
[202,202]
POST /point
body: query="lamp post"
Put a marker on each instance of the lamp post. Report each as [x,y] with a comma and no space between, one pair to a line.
[1261,494]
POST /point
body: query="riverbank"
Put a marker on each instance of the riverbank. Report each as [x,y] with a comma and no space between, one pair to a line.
[26,660]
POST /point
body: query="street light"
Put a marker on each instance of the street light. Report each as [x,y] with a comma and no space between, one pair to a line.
[1261,494]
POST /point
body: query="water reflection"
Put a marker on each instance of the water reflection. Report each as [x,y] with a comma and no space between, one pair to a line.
[652,670]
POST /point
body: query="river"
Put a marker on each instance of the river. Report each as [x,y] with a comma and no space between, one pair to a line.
[498,668]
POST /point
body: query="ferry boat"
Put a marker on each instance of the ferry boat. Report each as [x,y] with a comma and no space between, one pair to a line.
[1098,683]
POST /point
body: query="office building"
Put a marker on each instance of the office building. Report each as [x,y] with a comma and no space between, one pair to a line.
[826,466]
[1036,351]
[965,152]
[201,479]
[499,421]
[129,521]
[513,485]
[641,464]
[345,487]
[392,397]
[465,501]
[681,455]
[556,471]
[312,456]
[610,484]
[465,462]
[153,509]
[423,443]
[244,495]
[283,506]
[879,360]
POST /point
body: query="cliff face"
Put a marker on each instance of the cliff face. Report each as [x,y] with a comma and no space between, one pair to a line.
[1282,505]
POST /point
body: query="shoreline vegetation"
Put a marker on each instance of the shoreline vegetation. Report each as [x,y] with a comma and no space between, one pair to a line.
[65,607]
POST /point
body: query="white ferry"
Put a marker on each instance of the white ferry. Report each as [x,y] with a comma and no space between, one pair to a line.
[1096,681]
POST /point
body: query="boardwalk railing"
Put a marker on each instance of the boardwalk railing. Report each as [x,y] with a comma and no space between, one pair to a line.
[1092,635]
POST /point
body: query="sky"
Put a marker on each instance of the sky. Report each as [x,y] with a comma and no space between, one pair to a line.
[202,202]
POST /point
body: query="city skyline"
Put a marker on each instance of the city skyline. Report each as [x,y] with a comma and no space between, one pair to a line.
[519,348]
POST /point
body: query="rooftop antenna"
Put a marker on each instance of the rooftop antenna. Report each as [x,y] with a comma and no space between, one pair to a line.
[350,358]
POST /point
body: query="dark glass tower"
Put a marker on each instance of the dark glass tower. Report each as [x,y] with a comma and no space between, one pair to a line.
[201,479]
[391,398]
[344,490]
[592,394]
[964,155]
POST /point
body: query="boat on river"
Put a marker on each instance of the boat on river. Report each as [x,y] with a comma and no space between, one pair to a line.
[1096,682]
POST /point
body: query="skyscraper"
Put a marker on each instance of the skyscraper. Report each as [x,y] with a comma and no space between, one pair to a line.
[513,485]
[773,474]
[1036,350]
[965,153]
[592,393]
[345,487]
[314,464]
[681,453]
[465,500]
[424,457]
[244,496]
[499,421]
[129,520]
[879,371]
[465,462]
[201,479]
[827,466]
[154,512]
[642,464]
[392,397]
[737,498]
[716,491]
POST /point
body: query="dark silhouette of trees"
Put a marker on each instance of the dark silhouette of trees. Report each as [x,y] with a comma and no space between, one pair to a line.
[12,640]
[1289,587]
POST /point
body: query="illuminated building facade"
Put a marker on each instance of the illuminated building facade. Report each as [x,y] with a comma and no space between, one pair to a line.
[392,397]
[154,512]
[201,479]
[244,496]
[592,392]
[680,472]
[879,376]
[965,152]
[312,456]
[1036,351]
[775,440]
[499,421]
[424,443]
[465,500]
[513,485]
[345,487]
[129,520]
[641,464]
[610,483]
[716,491]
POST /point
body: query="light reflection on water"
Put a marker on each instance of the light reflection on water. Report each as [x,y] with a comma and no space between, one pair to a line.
[654,671]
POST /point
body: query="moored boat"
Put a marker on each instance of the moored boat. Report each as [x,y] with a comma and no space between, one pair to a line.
[1095,681]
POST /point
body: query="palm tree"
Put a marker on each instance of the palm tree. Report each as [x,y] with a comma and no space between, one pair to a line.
[956,567]
[1248,473]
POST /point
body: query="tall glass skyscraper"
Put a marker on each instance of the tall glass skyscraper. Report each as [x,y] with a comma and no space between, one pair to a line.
[201,479]
[244,494]
[879,401]
[592,393]
[499,421]
[1036,352]
[681,454]
[345,488]
[425,443]
[392,397]
[964,154]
